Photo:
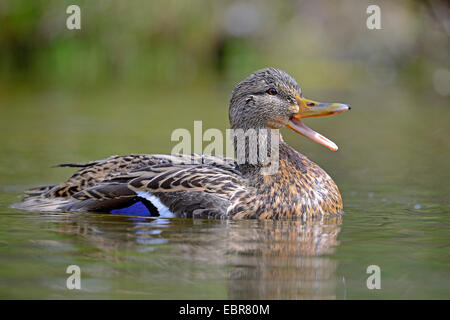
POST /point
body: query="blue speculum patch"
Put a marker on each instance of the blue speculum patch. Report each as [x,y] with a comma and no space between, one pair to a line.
[136,209]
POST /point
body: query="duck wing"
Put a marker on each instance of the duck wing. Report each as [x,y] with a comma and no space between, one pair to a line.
[167,185]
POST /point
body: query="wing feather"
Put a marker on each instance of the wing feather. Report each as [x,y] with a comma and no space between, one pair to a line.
[189,185]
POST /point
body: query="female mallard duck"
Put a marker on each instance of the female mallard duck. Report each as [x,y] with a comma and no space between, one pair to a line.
[210,186]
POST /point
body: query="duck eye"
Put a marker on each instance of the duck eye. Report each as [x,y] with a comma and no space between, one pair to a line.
[272,91]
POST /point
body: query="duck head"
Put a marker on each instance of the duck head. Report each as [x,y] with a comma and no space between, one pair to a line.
[271,99]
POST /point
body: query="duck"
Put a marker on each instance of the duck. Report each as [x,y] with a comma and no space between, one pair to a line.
[212,186]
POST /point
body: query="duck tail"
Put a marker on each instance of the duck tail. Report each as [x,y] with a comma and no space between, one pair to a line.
[41,204]
[76,164]
[38,191]
[35,200]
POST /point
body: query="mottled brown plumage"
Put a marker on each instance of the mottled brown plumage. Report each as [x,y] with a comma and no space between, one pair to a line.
[299,188]
[204,186]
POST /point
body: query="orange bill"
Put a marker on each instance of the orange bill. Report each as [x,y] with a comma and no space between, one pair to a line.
[308,109]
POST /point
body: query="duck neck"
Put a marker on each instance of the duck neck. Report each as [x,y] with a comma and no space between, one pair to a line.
[285,169]
[257,150]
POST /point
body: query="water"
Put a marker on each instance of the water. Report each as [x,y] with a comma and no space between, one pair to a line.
[392,170]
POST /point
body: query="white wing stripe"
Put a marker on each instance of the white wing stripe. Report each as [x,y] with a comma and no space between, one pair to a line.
[162,209]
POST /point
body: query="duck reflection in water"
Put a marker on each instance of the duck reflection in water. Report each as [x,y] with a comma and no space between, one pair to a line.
[284,259]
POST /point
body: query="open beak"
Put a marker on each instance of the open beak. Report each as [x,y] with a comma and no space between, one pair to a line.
[308,109]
